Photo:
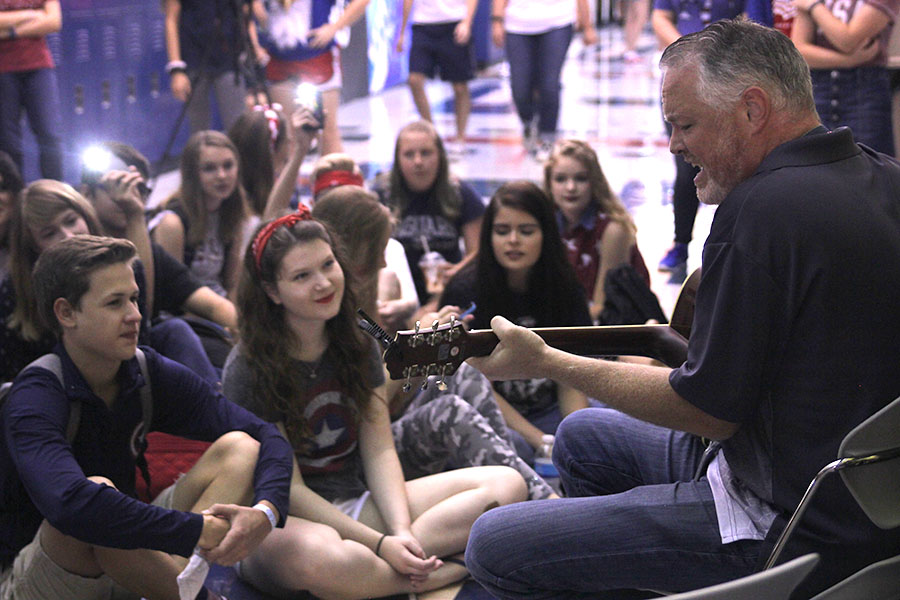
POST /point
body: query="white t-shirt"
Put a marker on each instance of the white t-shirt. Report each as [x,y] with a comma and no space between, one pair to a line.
[529,17]
[438,11]
[395,257]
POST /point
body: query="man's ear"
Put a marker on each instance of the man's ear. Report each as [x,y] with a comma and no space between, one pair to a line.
[64,312]
[757,106]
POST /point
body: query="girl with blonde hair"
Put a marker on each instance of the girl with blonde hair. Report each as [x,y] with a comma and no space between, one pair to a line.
[48,211]
[597,231]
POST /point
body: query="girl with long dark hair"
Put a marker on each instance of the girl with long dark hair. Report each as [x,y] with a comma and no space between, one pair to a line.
[521,272]
[356,528]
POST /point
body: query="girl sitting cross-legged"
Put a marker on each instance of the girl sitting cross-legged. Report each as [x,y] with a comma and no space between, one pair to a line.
[356,529]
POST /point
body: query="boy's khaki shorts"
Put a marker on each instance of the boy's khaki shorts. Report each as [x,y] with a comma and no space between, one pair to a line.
[34,576]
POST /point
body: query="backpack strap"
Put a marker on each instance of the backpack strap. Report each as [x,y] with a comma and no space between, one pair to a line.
[52,363]
[146,393]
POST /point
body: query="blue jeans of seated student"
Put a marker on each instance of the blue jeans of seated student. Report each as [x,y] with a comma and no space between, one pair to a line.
[174,339]
[858,98]
[535,64]
[37,93]
[634,520]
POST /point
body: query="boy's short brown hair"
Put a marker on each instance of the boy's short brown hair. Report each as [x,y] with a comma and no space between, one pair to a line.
[64,270]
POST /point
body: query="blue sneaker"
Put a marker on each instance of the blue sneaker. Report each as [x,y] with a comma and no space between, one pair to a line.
[675,258]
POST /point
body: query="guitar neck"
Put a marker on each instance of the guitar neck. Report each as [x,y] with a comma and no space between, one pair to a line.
[660,342]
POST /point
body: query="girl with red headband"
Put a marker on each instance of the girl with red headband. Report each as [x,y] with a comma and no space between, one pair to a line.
[355,529]
[397,296]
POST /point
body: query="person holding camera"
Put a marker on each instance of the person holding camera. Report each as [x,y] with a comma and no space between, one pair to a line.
[300,40]
[114,185]
[272,146]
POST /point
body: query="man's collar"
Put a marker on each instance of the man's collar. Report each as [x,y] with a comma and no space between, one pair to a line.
[817,146]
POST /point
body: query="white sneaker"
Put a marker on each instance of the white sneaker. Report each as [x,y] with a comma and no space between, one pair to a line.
[455,150]
[543,150]
[529,137]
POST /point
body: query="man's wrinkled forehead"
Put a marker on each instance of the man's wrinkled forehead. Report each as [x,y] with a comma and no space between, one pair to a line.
[679,91]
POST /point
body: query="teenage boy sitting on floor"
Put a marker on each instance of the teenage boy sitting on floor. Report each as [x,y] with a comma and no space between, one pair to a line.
[70,526]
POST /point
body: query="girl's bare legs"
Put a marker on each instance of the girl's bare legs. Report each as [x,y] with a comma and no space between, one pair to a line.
[444,506]
[311,556]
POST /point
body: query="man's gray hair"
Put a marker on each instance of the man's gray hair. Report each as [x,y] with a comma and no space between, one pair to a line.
[735,54]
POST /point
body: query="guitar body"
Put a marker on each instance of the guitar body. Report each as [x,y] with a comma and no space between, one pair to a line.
[441,350]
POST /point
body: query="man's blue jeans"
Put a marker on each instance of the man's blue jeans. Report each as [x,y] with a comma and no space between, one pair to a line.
[35,91]
[634,520]
[535,64]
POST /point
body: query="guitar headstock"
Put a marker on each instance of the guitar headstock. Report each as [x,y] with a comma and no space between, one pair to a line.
[437,350]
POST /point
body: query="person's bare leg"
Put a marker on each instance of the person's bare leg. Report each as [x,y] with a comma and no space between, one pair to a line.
[444,506]
[420,98]
[223,475]
[149,573]
[462,106]
[331,134]
[283,93]
[637,12]
[313,557]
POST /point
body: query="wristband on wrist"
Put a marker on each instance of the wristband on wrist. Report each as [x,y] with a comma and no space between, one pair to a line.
[268,512]
[378,545]
[176,65]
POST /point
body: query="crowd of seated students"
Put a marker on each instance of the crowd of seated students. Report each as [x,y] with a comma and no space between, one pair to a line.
[236,247]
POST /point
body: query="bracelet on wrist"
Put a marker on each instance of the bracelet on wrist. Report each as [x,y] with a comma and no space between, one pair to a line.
[270,515]
[378,545]
[12,33]
[176,66]
[497,18]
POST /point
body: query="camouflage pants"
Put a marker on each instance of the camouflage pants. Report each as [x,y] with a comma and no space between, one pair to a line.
[459,427]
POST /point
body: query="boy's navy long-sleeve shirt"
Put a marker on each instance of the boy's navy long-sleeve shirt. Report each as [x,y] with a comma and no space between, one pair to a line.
[42,476]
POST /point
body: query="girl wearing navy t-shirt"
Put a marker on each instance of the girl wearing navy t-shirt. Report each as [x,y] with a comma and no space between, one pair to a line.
[434,211]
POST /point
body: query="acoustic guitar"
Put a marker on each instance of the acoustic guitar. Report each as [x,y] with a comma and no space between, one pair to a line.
[441,349]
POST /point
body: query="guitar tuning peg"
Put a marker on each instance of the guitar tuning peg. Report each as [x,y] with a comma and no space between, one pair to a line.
[440,384]
[434,325]
[424,384]
[407,372]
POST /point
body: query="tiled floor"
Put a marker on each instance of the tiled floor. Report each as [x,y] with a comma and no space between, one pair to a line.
[611,104]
